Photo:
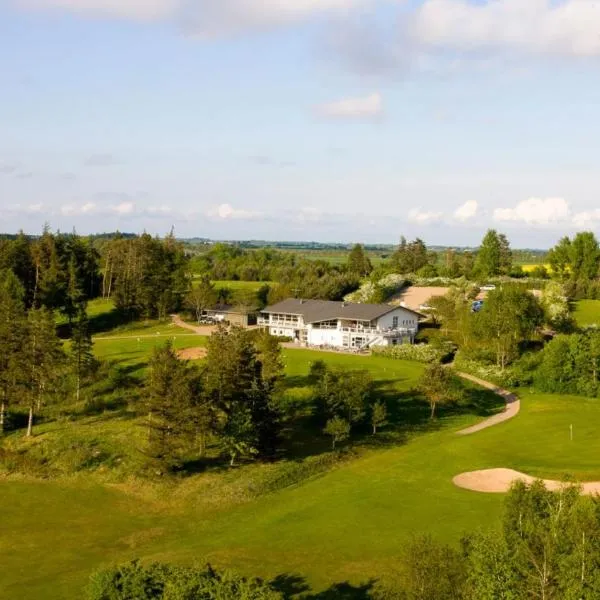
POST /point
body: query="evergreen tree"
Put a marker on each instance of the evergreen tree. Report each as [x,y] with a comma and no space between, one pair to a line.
[44,357]
[170,399]
[13,332]
[81,348]
[358,261]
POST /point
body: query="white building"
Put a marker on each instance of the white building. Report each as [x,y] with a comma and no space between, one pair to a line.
[340,324]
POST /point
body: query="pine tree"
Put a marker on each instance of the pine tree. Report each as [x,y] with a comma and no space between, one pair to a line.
[171,386]
[81,348]
[358,262]
[44,356]
[12,334]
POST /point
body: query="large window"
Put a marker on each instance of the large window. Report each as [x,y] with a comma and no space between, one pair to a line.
[395,322]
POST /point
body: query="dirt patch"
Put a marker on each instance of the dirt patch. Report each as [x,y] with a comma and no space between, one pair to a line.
[413,296]
[191,353]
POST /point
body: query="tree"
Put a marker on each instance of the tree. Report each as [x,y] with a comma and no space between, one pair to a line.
[488,262]
[358,261]
[378,415]
[81,348]
[171,388]
[345,393]
[239,436]
[437,384]
[44,357]
[201,297]
[510,315]
[338,429]
[506,257]
[13,332]
[237,383]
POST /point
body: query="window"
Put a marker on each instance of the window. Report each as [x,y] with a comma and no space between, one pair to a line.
[395,322]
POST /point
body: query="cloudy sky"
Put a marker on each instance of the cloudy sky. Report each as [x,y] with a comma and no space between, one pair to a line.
[328,120]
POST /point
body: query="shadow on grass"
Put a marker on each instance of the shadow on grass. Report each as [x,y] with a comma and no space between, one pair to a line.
[295,587]
[108,321]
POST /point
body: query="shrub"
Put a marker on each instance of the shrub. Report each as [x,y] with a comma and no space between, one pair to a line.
[424,353]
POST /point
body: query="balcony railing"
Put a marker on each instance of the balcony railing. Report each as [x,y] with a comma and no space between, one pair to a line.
[277,323]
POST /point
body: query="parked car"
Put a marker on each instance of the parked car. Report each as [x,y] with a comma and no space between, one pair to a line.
[477,305]
[488,287]
[426,307]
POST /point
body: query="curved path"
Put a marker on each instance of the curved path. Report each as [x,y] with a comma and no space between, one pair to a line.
[513,405]
[500,480]
[199,329]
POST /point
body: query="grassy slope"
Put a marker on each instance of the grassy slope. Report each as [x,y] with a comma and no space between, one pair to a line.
[587,312]
[348,523]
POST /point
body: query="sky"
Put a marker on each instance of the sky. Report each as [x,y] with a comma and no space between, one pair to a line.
[324,120]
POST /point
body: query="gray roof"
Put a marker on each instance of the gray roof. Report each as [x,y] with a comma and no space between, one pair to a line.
[314,311]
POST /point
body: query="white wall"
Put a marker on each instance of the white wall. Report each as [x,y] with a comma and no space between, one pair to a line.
[405,319]
[330,337]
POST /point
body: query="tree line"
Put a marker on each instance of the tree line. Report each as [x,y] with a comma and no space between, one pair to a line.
[35,368]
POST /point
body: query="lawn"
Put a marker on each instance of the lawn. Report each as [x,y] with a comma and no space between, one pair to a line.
[348,523]
[587,312]
[236,286]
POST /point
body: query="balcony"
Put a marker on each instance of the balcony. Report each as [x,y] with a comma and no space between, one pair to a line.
[278,323]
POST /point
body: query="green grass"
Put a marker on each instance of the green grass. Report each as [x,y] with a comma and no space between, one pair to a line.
[252,286]
[348,523]
[587,312]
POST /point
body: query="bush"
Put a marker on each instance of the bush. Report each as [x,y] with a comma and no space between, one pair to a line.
[424,353]
[506,378]
[157,581]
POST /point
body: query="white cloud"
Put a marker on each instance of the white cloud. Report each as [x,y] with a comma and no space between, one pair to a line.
[466,211]
[69,210]
[569,27]
[135,10]
[416,215]
[588,218]
[536,211]
[227,212]
[214,18]
[204,18]
[354,108]
[125,208]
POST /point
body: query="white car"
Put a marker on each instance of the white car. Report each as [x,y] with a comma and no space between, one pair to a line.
[488,287]
[426,307]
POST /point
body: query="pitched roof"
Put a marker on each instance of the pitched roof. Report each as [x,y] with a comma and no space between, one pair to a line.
[314,311]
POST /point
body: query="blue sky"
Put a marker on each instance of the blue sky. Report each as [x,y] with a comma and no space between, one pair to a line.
[328,120]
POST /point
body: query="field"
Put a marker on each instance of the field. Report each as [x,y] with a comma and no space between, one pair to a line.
[587,312]
[275,519]
[236,286]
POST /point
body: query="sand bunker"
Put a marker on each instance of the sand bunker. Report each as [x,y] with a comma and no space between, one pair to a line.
[500,480]
[191,353]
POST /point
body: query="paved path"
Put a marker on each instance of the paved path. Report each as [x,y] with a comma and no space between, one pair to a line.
[513,405]
[143,337]
[500,480]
